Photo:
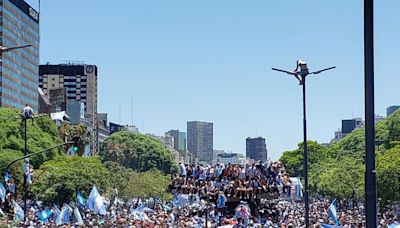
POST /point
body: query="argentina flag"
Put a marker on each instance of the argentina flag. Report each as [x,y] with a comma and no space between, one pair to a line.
[81,200]
[95,202]
[2,193]
[78,217]
[332,211]
[44,215]
[18,212]
[63,217]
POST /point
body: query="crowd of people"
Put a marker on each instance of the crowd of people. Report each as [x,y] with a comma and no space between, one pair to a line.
[257,195]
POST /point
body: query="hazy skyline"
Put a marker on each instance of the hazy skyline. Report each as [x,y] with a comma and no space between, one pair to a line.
[211,61]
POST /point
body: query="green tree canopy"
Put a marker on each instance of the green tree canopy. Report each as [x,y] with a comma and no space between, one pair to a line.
[149,184]
[388,174]
[137,151]
[42,133]
[338,170]
[58,180]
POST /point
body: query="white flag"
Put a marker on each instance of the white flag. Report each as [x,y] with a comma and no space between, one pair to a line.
[58,115]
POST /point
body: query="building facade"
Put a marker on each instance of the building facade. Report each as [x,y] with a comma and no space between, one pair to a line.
[80,82]
[391,110]
[349,125]
[200,140]
[231,158]
[19,69]
[256,149]
[179,139]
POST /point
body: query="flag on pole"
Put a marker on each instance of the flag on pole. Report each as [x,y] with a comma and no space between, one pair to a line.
[63,217]
[81,199]
[18,212]
[7,177]
[78,216]
[44,215]
[332,211]
[27,171]
[2,192]
[299,188]
[95,202]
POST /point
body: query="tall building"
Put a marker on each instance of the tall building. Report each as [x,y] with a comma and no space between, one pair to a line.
[391,110]
[19,78]
[80,82]
[256,149]
[200,140]
[179,139]
[351,124]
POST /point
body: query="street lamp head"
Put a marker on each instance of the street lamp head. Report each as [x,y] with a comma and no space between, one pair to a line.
[303,67]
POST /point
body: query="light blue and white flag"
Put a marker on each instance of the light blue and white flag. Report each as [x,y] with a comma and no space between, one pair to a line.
[78,217]
[18,212]
[7,177]
[63,217]
[95,202]
[56,212]
[181,200]
[332,211]
[329,226]
[44,215]
[81,200]
[2,192]
[394,225]
[27,171]
[299,188]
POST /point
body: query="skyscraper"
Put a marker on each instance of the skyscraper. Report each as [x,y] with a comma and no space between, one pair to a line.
[256,149]
[19,78]
[200,140]
[391,110]
[179,139]
[80,82]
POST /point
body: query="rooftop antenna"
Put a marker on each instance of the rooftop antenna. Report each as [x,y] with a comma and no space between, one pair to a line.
[132,109]
[119,120]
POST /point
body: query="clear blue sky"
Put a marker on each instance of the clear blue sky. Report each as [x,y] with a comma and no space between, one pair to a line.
[210,60]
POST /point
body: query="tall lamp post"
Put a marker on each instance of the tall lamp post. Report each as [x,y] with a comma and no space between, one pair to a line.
[300,73]
[370,172]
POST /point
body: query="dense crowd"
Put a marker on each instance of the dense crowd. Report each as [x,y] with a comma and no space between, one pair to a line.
[258,195]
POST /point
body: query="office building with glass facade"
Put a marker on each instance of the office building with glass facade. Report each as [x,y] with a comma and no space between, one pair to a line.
[200,140]
[19,68]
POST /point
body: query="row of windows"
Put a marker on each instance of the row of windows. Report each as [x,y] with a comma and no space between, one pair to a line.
[17,95]
[24,71]
[33,57]
[6,101]
[10,39]
[21,61]
[22,79]
[24,19]
[20,30]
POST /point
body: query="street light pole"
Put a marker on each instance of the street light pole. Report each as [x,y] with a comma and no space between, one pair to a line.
[25,177]
[305,153]
[370,172]
[300,73]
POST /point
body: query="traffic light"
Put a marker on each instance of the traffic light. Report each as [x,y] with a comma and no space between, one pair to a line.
[75,146]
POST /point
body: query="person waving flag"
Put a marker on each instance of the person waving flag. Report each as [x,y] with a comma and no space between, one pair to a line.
[332,211]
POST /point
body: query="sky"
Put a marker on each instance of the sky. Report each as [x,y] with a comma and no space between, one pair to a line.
[211,61]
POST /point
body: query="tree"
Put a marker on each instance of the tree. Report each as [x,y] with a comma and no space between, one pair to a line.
[68,132]
[63,177]
[137,151]
[42,133]
[293,160]
[388,174]
[149,184]
[119,178]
